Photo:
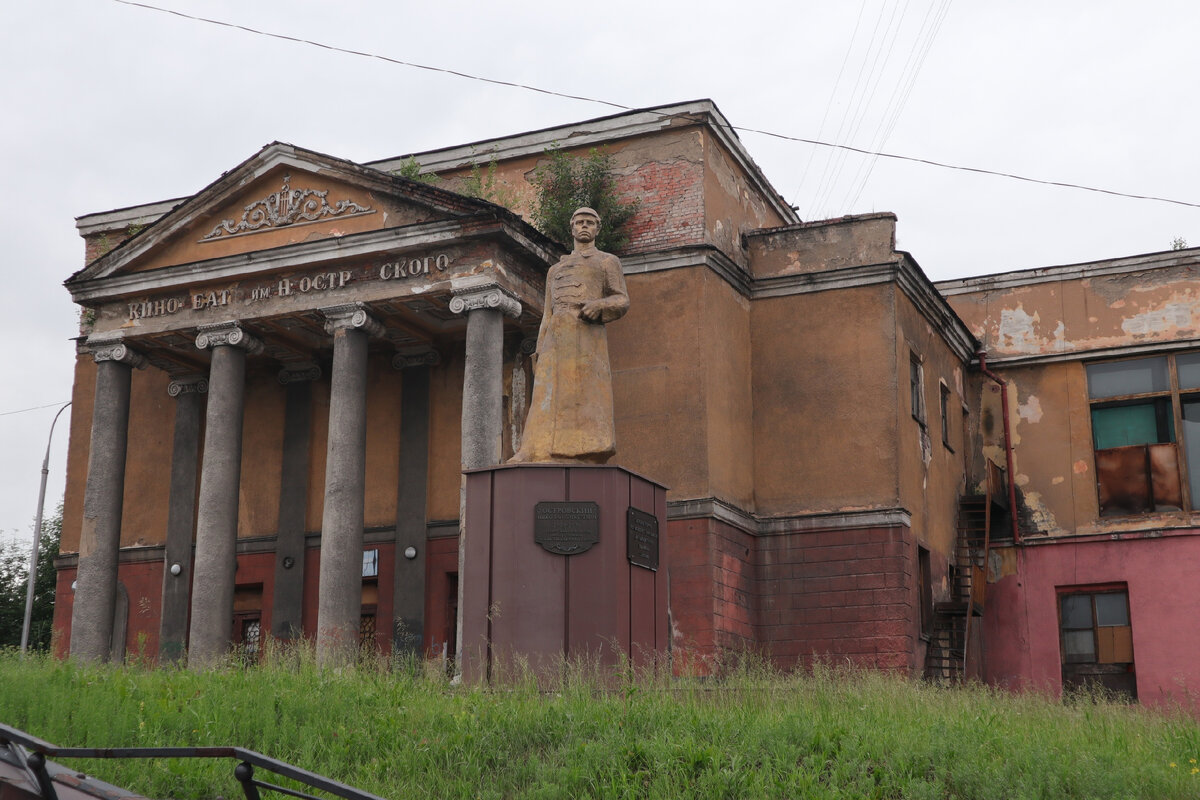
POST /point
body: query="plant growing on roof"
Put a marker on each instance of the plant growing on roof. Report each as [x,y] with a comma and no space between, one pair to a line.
[565,183]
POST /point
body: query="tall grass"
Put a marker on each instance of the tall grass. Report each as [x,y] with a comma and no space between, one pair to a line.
[400,732]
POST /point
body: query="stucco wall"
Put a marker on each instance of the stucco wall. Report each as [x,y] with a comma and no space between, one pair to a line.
[1021,635]
[825,435]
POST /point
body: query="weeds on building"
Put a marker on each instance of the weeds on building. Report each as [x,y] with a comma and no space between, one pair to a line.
[565,182]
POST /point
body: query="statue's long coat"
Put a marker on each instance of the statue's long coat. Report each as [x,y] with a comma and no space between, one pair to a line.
[571,415]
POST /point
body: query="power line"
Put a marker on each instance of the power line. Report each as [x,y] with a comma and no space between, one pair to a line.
[23,410]
[781,136]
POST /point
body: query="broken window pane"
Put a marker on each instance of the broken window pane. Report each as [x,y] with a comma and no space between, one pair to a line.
[1111,609]
[1139,376]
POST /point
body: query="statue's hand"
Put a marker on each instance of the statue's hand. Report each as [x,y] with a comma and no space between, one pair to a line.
[592,311]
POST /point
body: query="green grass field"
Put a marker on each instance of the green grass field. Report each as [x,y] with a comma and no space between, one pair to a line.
[405,732]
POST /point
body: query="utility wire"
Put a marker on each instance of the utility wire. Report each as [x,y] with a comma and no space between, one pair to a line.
[771,134]
[23,410]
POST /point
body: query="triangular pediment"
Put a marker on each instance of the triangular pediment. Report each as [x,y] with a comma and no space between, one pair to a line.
[281,196]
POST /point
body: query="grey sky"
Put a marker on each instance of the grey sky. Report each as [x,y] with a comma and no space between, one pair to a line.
[107,105]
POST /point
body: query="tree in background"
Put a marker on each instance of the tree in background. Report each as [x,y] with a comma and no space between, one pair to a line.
[14,576]
[566,183]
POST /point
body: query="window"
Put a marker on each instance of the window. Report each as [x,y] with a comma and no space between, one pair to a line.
[945,408]
[1097,639]
[370,564]
[925,590]
[1140,410]
[916,382]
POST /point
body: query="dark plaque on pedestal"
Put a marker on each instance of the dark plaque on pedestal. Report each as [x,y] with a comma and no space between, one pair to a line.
[566,528]
[642,541]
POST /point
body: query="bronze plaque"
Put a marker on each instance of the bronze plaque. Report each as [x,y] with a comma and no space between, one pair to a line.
[566,528]
[642,539]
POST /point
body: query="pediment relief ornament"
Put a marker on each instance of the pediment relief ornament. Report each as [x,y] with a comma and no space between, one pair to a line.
[285,207]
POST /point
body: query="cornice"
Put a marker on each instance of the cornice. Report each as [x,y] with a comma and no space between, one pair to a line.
[1066,272]
[301,255]
[1090,354]
[714,508]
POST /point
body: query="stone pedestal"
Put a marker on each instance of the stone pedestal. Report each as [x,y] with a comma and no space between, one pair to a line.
[525,604]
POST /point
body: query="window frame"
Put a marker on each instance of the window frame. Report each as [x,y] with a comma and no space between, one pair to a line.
[1174,397]
[1079,672]
[916,388]
[944,402]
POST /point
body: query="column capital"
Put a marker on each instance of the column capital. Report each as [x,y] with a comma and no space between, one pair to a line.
[188,384]
[428,358]
[484,295]
[113,348]
[227,333]
[299,372]
[351,316]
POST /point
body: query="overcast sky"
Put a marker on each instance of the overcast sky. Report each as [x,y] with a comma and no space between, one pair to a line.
[107,105]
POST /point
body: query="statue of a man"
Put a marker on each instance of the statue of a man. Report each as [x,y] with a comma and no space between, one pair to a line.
[571,415]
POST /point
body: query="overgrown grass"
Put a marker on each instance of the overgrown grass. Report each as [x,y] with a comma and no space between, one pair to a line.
[403,733]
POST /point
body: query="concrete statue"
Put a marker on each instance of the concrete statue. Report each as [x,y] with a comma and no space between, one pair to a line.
[571,416]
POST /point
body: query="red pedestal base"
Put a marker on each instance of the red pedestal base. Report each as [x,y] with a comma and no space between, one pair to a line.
[523,605]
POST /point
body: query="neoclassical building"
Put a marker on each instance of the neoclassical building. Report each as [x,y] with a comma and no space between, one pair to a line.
[282,378]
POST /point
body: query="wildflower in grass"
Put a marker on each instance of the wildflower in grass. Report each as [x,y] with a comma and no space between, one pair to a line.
[1173,765]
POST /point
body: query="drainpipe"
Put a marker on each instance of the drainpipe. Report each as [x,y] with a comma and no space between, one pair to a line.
[1008,452]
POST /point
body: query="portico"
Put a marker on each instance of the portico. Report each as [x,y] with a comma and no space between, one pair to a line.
[311,319]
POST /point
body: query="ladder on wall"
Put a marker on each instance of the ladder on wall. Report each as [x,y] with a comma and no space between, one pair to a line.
[947,655]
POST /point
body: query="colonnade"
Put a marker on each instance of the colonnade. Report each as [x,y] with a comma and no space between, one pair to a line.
[351,326]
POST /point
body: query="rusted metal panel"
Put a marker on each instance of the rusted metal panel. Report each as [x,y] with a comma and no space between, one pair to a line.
[1138,478]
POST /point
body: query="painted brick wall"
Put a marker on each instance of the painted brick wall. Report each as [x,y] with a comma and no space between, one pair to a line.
[845,595]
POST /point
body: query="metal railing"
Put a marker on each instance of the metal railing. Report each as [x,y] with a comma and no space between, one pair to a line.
[32,753]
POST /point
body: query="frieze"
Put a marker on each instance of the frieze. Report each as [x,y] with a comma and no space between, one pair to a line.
[288,286]
[288,206]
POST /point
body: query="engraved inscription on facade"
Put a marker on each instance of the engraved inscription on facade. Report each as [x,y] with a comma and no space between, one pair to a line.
[398,269]
[566,528]
[642,538]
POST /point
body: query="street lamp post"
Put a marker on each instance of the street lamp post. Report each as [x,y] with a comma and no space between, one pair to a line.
[37,535]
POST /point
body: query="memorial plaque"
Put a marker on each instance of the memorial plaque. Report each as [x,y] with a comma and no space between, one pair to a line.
[642,539]
[566,528]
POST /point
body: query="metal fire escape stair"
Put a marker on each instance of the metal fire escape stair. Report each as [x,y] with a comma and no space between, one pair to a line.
[947,654]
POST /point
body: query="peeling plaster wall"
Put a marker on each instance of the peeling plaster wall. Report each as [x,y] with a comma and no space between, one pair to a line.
[824,245]
[1081,312]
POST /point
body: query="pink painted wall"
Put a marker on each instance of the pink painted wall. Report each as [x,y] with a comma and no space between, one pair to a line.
[1021,641]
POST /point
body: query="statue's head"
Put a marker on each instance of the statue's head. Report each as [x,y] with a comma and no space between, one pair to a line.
[585,224]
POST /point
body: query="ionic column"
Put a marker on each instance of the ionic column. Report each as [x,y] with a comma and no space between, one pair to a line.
[220,475]
[287,604]
[181,515]
[485,305]
[100,536]
[339,603]
[412,536]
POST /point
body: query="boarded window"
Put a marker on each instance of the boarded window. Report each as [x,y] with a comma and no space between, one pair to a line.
[1097,640]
